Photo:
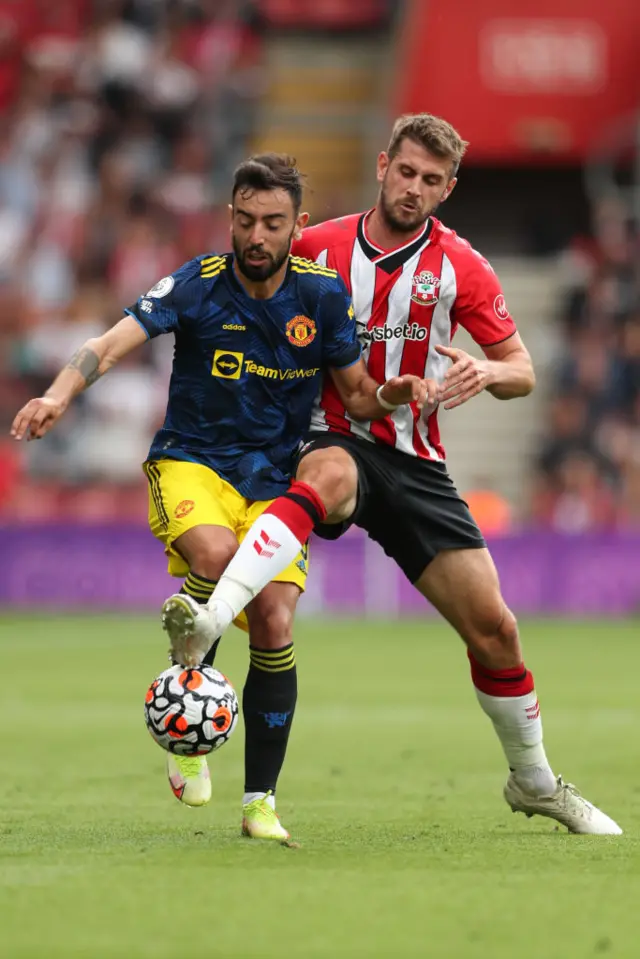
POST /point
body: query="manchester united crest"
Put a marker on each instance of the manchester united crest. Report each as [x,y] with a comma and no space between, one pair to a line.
[424,288]
[301,331]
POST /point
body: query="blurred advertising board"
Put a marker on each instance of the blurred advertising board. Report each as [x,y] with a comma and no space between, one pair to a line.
[525,82]
[116,568]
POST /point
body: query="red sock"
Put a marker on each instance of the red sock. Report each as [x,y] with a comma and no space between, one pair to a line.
[516,681]
[300,508]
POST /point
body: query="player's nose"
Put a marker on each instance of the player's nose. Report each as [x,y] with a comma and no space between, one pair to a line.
[257,236]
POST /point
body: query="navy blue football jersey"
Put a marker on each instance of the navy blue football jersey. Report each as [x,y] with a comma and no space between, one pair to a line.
[246,372]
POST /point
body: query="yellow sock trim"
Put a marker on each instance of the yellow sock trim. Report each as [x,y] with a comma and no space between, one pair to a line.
[273,660]
[201,581]
[197,587]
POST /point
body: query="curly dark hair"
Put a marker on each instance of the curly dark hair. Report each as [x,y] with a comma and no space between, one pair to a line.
[270,171]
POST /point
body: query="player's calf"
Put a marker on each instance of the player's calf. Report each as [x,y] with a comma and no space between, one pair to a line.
[506,692]
[198,587]
[508,697]
[271,689]
[491,633]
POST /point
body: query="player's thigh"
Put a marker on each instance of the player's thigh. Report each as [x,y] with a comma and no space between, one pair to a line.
[192,511]
[418,512]
[271,615]
[463,586]
[207,550]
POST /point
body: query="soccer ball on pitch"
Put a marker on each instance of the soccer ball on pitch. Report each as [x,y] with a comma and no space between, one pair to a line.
[191,711]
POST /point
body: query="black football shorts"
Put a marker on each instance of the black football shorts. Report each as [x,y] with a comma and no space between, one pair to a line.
[406,504]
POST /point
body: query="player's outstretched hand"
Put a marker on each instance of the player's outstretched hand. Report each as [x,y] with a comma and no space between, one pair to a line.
[466,377]
[36,418]
[411,389]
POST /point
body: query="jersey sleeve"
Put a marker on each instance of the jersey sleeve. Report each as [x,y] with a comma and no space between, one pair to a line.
[480,305]
[341,346]
[311,244]
[170,302]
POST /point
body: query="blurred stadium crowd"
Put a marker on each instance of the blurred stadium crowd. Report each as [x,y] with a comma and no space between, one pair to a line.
[589,465]
[120,122]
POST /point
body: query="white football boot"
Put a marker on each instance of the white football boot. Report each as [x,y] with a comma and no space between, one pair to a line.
[566,806]
[191,628]
[189,779]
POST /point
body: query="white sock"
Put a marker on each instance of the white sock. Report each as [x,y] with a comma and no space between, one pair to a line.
[517,722]
[249,797]
[268,548]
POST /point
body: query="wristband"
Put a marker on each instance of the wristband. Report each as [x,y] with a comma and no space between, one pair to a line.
[385,403]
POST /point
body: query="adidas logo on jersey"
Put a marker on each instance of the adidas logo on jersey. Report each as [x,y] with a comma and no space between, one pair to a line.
[406,332]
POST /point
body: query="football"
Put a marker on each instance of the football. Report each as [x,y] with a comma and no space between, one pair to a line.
[191,712]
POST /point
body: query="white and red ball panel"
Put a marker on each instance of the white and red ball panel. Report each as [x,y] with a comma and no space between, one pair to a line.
[191,712]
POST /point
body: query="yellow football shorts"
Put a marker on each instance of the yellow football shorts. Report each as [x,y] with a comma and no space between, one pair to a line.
[183,495]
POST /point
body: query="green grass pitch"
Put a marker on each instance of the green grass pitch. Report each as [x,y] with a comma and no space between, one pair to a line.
[393,787]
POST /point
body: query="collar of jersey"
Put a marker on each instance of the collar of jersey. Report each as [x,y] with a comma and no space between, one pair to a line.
[236,285]
[391,260]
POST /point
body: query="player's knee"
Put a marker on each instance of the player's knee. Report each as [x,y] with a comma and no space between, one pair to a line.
[508,630]
[273,628]
[493,636]
[333,475]
[211,559]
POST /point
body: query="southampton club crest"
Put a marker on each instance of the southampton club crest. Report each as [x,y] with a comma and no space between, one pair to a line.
[424,288]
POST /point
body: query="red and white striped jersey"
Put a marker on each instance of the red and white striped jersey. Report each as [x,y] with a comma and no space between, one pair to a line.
[406,301]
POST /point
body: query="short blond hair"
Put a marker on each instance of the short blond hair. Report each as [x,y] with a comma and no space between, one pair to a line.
[433,133]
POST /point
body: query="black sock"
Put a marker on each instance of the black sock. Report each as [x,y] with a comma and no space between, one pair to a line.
[268,705]
[200,589]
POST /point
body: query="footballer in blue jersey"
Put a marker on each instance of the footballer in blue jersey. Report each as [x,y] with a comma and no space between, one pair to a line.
[255,330]
[246,371]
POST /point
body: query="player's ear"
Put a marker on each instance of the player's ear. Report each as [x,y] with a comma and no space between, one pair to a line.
[383,166]
[301,221]
[449,190]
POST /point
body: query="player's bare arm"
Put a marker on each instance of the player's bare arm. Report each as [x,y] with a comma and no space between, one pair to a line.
[87,365]
[506,372]
[365,399]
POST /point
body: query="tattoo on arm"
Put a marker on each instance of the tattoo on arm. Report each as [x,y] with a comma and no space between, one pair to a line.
[86,362]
